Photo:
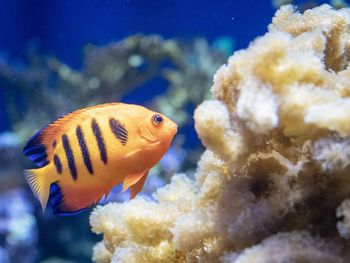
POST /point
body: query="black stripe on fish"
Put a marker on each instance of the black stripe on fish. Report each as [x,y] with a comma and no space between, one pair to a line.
[69,156]
[84,149]
[36,151]
[55,197]
[99,139]
[118,130]
[54,191]
[57,163]
[54,144]
[56,200]
[40,158]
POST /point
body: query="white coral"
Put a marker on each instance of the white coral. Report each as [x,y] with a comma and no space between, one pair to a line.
[215,130]
[333,116]
[101,254]
[343,213]
[257,106]
[287,247]
[277,159]
[333,154]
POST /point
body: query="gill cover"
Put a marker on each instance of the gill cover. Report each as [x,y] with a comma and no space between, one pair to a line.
[147,133]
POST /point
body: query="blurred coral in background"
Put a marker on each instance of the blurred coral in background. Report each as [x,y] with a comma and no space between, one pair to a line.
[18,227]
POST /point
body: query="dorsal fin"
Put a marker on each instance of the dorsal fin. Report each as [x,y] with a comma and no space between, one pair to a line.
[39,148]
[36,151]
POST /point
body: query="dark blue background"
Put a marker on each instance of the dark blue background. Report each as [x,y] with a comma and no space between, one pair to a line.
[62,27]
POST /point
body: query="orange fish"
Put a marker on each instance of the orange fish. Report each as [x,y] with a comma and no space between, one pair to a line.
[83,154]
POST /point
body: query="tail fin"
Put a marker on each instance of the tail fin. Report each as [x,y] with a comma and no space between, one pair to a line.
[39,184]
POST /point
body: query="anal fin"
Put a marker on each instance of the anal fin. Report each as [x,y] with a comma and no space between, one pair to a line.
[68,213]
[56,200]
[36,151]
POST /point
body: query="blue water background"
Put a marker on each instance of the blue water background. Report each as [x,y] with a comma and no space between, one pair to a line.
[61,28]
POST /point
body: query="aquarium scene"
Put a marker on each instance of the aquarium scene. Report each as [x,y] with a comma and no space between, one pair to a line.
[174,131]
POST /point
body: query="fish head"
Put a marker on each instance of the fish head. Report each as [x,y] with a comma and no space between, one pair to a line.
[158,128]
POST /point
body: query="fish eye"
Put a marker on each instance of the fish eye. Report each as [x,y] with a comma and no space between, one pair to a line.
[157,119]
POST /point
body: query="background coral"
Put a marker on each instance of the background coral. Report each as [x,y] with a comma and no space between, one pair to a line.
[18,228]
[275,167]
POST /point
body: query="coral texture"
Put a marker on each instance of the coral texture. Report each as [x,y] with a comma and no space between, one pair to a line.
[276,165]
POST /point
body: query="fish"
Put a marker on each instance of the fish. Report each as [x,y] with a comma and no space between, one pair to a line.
[81,156]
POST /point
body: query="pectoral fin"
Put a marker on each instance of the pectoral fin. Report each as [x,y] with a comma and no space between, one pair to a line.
[132,179]
[136,188]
